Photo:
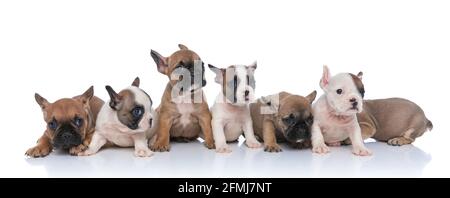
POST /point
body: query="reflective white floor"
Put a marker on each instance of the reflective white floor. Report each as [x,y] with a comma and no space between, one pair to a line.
[194,160]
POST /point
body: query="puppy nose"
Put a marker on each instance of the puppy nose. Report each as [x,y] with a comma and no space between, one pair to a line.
[353,100]
[66,136]
[355,104]
[246,92]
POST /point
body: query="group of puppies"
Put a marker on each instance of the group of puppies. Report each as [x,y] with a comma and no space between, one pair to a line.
[84,124]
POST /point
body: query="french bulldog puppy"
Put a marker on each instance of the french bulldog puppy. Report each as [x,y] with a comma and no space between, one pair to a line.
[283,117]
[335,113]
[396,121]
[183,113]
[70,123]
[123,121]
[231,112]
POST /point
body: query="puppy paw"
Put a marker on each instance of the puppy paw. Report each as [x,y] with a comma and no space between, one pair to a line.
[77,149]
[209,144]
[321,149]
[38,151]
[361,151]
[273,148]
[399,141]
[223,149]
[253,144]
[143,153]
[160,148]
[86,153]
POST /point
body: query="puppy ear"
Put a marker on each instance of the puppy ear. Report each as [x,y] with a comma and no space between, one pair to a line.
[219,73]
[41,101]
[115,99]
[136,82]
[183,47]
[87,95]
[325,77]
[312,96]
[272,103]
[266,100]
[161,61]
[360,74]
[253,66]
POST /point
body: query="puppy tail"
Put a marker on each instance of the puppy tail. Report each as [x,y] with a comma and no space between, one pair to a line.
[429,125]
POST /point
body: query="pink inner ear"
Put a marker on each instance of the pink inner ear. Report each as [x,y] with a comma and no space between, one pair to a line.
[325,79]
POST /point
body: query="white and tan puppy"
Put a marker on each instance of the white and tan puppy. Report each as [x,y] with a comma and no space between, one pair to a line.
[124,120]
[335,113]
[230,112]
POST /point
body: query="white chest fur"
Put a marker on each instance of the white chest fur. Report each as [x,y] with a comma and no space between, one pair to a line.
[233,118]
[334,128]
[186,110]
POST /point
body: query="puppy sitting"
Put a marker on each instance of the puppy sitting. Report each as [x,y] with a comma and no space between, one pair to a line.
[231,112]
[283,117]
[124,121]
[183,113]
[70,123]
[335,113]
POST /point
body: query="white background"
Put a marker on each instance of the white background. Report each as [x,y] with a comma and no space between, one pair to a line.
[59,48]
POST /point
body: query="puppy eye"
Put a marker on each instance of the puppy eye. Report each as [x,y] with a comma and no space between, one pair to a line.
[53,124]
[137,112]
[339,91]
[289,119]
[78,122]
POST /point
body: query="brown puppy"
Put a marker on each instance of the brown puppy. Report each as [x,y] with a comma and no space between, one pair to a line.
[183,113]
[283,117]
[70,123]
[396,121]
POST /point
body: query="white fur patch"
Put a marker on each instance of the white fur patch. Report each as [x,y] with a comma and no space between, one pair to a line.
[185,109]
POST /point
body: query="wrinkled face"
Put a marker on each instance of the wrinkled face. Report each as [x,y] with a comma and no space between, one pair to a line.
[133,108]
[67,123]
[295,120]
[239,84]
[184,68]
[345,93]
[188,77]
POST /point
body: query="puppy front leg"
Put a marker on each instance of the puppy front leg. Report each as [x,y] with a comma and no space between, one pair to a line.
[140,146]
[163,133]
[358,143]
[219,136]
[97,142]
[317,140]
[205,125]
[42,148]
[83,146]
[250,139]
[270,141]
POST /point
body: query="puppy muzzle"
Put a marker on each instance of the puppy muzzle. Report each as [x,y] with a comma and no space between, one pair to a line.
[66,137]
